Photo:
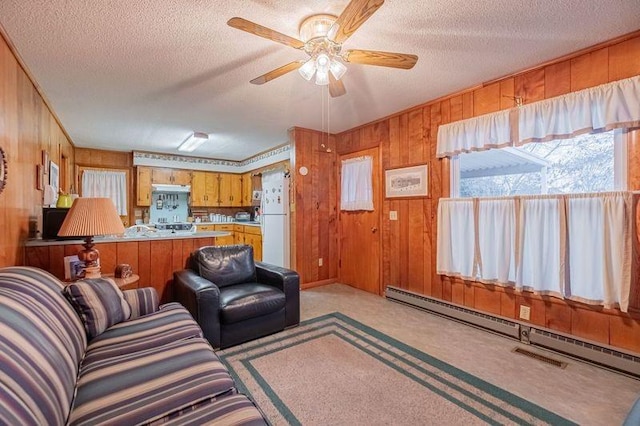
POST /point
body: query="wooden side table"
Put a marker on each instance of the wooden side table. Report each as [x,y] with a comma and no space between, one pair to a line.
[128,283]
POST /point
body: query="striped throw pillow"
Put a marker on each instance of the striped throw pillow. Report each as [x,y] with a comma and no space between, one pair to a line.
[99,303]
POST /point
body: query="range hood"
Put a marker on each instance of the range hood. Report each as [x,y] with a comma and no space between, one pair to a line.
[156,187]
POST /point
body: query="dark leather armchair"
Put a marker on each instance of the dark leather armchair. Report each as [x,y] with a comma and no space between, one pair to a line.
[235,300]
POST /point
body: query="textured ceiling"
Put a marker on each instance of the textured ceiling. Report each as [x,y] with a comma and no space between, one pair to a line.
[143,74]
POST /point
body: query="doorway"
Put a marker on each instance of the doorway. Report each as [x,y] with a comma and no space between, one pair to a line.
[359,234]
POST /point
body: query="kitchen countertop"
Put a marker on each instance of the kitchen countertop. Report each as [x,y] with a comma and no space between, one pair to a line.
[228,223]
[37,242]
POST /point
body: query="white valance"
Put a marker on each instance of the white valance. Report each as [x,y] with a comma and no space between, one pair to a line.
[475,134]
[356,189]
[601,108]
[606,107]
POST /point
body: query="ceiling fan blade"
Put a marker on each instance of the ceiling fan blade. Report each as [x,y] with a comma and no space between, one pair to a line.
[382,59]
[336,87]
[268,33]
[292,66]
[354,15]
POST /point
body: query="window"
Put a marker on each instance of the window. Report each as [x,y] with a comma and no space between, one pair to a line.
[583,164]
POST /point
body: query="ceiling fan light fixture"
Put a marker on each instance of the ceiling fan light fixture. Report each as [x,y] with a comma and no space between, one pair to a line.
[322,77]
[316,26]
[308,69]
[193,142]
[323,62]
[337,68]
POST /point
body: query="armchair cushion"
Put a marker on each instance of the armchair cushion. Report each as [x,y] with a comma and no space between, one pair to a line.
[243,301]
[143,301]
[225,265]
[99,303]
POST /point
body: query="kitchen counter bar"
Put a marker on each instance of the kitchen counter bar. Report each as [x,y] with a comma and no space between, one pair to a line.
[154,259]
[121,239]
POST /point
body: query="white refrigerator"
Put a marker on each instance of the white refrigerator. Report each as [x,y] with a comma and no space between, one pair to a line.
[274,219]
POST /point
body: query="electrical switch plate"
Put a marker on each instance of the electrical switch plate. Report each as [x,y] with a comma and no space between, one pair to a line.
[393,215]
[320,262]
[525,312]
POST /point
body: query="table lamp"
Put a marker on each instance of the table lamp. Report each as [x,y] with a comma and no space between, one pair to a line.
[87,218]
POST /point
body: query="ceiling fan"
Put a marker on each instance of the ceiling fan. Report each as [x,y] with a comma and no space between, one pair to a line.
[322,38]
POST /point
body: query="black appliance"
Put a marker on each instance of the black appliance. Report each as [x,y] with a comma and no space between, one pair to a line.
[52,219]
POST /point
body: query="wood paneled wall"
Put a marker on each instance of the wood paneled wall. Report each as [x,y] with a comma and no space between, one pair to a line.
[27,127]
[409,137]
[313,207]
[154,261]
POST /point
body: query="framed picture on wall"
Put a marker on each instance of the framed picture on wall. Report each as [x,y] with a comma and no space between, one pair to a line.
[54,180]
[407,182]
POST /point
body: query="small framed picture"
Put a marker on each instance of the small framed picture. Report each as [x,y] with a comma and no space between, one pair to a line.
[257,195]
[73,268]
[39,177]
[406,182]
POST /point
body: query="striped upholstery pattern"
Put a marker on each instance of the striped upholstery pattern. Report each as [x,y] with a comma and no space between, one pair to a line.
[170,323]
[142,301]
[41,344]
[150,384]
[232,410]
[99,303]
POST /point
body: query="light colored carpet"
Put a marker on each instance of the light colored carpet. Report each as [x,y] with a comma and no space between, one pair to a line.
[335,370]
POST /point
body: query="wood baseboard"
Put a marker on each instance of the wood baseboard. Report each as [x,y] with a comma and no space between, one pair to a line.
[320,283]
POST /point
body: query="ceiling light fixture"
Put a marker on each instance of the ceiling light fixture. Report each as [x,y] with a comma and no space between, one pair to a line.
[325,54]
[193,142]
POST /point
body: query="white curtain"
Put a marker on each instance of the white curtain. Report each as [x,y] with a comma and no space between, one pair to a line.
[108,184]
[456,238]
[541,238]
[475,134]
[574,246]
[497,240]
[356,187]
[605,107]
[599,240]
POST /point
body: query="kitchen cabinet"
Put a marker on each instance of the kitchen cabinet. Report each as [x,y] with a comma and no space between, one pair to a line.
[247,189]
[204,189]
[250,235]
[230,190]
[170,176]
[229,239]
[204,228]
[143,186]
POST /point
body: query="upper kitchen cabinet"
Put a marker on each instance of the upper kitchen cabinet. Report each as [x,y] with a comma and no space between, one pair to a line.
[143,182]
[170,176]
[204,189]
[247,189]
[230,190]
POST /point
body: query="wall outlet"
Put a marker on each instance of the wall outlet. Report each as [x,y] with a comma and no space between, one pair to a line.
[393,215]
[525,312]
[320,262]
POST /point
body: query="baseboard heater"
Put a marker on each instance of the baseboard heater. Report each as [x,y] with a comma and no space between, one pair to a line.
[527,333]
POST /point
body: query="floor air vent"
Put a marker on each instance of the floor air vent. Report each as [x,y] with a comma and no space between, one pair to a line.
[606,356]
[540,357]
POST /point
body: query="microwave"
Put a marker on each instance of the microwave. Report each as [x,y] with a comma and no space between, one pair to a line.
[52,219]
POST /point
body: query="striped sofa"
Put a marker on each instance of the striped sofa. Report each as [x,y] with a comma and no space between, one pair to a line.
[154,368]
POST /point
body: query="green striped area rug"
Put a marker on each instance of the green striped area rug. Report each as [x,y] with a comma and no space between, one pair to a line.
[335,370]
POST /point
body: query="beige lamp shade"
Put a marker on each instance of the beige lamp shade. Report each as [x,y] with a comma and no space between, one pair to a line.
[91,216]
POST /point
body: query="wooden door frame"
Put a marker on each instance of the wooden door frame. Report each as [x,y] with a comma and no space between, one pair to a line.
[379,208]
